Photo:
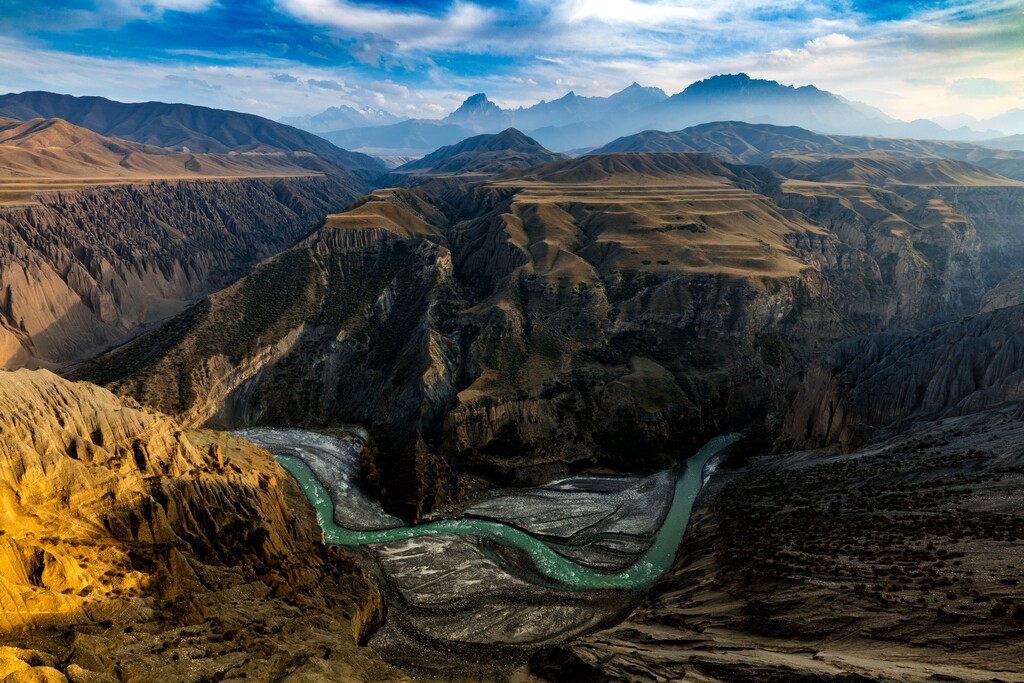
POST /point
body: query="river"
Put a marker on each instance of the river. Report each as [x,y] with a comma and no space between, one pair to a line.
[523,568]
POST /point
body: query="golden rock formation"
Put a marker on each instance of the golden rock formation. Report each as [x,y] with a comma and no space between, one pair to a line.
[132,549]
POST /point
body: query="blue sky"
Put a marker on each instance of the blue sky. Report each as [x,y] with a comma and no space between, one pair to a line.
[287,57]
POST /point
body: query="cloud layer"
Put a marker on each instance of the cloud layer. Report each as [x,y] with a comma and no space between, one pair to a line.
[286,57]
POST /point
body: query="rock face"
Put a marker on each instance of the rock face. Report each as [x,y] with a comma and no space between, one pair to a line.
[612,310]
[172,554]
[353,325]
[84,270]
[891,380]
[1009,292]
[996,214]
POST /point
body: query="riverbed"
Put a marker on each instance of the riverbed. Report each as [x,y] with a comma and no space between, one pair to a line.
[521,569]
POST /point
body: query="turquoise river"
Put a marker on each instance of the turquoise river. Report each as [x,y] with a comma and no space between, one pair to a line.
[638,576]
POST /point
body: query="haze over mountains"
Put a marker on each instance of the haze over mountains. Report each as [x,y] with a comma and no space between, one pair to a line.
[341,118]
[576,122]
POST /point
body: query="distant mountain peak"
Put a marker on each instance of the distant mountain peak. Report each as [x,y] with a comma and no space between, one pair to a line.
[641,94]
[477,103]
[341,117]
[474,107]
[742,85]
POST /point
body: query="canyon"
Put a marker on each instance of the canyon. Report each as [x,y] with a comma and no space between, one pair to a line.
[499,336]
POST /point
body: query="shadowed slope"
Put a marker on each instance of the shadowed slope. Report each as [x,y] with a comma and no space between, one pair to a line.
[179,126]
[484,154]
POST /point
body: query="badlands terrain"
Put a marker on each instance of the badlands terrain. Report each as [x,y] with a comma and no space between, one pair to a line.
[525,347]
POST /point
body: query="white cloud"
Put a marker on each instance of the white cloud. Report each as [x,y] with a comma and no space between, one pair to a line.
[404,27]
[595,47]
[822,47]
[135,9]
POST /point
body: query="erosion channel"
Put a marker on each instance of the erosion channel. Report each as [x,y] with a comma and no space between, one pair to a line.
[519,570]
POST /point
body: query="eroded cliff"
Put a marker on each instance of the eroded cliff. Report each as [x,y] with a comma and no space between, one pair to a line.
[889,381]
[133,550]
[84,270]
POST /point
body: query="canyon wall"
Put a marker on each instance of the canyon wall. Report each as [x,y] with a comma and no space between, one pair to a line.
[871,383]
[81,271]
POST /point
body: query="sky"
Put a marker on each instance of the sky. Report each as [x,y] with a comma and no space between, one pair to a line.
[279,58]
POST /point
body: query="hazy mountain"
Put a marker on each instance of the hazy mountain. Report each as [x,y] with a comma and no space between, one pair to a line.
[572,108]
[181,127]
[479,113]
[576,122]
[342,117]
[742,142]
[1011,142]
[485,154]
[738,97]
[413,137]
[1008,123]
[1011,122]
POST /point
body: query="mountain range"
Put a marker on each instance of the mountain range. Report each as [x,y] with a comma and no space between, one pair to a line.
[575,122]
[747,143]
[179,127]
[492,316]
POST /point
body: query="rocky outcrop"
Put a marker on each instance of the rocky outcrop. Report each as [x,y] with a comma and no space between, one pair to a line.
[901,263]
[996,214]
[171,555]
[889,380]
[1009,292]
[85,270]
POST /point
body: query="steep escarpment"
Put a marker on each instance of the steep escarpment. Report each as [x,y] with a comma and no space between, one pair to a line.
[133,550]
[356,324]
[84,270]
[1009,292]
[907,260]
[996,212]
[891,380]
[507,330]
